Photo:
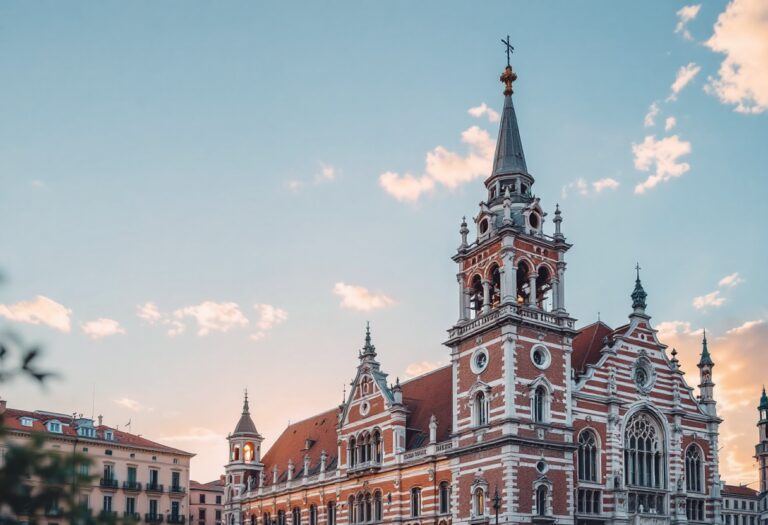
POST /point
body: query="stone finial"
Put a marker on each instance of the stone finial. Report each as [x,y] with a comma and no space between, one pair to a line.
[464,231]
[638,294]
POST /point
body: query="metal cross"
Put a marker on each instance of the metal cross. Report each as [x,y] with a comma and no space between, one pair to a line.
[638,270]
[510,48]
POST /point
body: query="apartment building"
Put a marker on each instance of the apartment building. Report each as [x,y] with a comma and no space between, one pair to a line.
[205,502]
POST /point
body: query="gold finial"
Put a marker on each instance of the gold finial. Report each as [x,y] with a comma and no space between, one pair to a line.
[508,77]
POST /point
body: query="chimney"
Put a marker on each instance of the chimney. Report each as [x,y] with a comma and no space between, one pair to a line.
[2,406]
[100,419]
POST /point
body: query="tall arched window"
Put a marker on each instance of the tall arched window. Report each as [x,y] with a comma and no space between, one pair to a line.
[377,507]
[352,452]
[266,519]
[587,456]
[415,502]
[478,499]
[253,519]
[367,508]
[644,464]
[541,500]
[296,516]
[480,409]
[523,283]
[693,469]
[353,517]
[495,287]
[444,504]
[331,513]
[476,297]
[280,517]
[540,404]
[377,446]
[313,515]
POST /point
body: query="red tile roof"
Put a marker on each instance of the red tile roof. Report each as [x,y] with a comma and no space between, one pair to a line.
[12,420]
[587,345]
[423,396]
[217,485]
[739,490]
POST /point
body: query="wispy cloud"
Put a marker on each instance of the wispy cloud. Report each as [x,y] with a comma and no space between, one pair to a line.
[685,15]
[360,298]
[421,367]
[650,117]
[670,123]
[581,187]
[662,157]
[102,327]
[150,313]
[195,434]
[444,167]
[741,34]
[327,174]
[212,316]
[605,184]
[684,76]
[731,280]
[747,327]
[484,111]
[712,299]
[671,328]
[269,316]
[40,310]
[295,185]
[132,405]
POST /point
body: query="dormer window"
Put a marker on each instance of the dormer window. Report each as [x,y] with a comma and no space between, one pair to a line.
[54,426]
[534,221]
[26,421]
[109,435]
[483,226]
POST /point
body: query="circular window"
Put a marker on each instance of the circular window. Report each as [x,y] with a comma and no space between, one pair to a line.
[364,408]
[643,376]
[540,357]
[542,466]
[533,220]
[483,226]
[479,360]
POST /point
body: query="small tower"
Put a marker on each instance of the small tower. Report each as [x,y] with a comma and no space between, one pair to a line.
[761,450]
[244,468]
[706,386]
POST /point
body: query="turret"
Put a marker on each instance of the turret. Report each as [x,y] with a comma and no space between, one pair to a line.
[706,386]
[761,450]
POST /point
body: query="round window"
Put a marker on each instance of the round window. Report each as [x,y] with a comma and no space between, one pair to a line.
[540,357]
[479,360]
[541,466]
[533,220]
[364,408]
[483,226]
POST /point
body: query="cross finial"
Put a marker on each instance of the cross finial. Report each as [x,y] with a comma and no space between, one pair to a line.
[637,267]
[510,50]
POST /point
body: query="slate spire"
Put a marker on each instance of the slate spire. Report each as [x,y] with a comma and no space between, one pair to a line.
[763,401]
[638,294]
[509,158]
[368,349]
[706,358]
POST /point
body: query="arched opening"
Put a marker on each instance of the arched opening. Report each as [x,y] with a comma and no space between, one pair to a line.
[444,504]
[352,510]
[644,464]
[495,286]
[313,514]
[480,409]
[377,506]
[693,469]
[331,513]
[415,502]
[267,518]
[476,297]
[541,500]
[539,409]
[248,450]
[352,446]
[544,289]
[523,284]
[236,453]
[296,516]
[377,446]
[478,501]
[587,456]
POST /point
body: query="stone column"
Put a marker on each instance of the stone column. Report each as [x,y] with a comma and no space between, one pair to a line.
[532,285]
[508,272]
[463,299]
[555,294]
[561,283]
[486,296]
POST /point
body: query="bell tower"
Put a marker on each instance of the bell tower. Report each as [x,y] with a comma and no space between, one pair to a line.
[761,450]
[511,345]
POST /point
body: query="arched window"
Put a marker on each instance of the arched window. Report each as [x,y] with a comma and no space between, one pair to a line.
[523,283]
[248,452]
[367,508]
[296,516]
[266,519]
[544,289]
[415,502]
[478,500]
[495,286]
[236,453]
[541,500]
[540,404]
[253,519]
[377,507]
[377,446]
[444,504]
[331,511]
[313,515]
[231,519]
[693,469]
[353,515]
[281,517]
[588,456]
[476,297]
[352,452]
[644,464]
[480,409]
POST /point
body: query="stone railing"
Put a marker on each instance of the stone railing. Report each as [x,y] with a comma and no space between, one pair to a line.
[521,311]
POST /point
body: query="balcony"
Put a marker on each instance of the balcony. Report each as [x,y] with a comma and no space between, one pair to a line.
[176,519]
[365,466]
[134,486]
[107,514]
[153,487]
[153,518]
[176,490]
[108,483]
[135,516]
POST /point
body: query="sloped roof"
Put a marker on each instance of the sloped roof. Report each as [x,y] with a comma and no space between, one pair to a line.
[587,345]
[12,420]
[423,396]
[739,490]
[217,485]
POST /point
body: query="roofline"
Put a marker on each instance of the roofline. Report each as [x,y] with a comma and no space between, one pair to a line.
[425,374]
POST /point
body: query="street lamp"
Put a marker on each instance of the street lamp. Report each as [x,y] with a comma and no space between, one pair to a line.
[496,503]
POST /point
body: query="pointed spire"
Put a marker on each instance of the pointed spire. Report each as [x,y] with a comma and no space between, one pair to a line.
[368,349]
[246,408]
[558,220]
[706,359]
[509,156]
[245,425]
[638,295]
[763,400]
[463,231]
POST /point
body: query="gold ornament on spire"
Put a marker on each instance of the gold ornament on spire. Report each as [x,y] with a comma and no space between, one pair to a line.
[508,76]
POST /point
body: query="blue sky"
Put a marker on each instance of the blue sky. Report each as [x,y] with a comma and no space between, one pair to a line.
[207,159]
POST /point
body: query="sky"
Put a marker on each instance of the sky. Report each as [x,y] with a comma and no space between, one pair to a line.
[201,198]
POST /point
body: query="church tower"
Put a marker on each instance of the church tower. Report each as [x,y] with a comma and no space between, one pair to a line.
[244,468]
[511,345]
[706,386]
[761,450]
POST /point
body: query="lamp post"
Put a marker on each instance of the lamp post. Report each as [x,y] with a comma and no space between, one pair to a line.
[496,503]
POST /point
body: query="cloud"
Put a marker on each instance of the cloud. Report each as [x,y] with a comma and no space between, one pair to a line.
[746,327]
[195,434]
[213,317]
[421,367]
[102,327]
[484,110]
[149,312]
[711,299]
[360,298]
[579,186]
[268,317]
[443,166]
[650,117]
[131,404]
[663,157]
[739,373]
[685,15]
[684,75]
[672,328]
[670,123]
[731,280]
[605,184]
[295,185]
[40,310]
[327,174]
[741,34]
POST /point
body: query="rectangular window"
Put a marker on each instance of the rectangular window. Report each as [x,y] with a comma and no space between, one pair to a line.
[218,515]
[154,476]
[84,469]
[175,480]
[131,475]
[153,507]
[201,514]
[588,501]
[130,505]
[694,510]
[218,500]
[107,504]
[84,502]
[202,499]
[109,472]
[175,509]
